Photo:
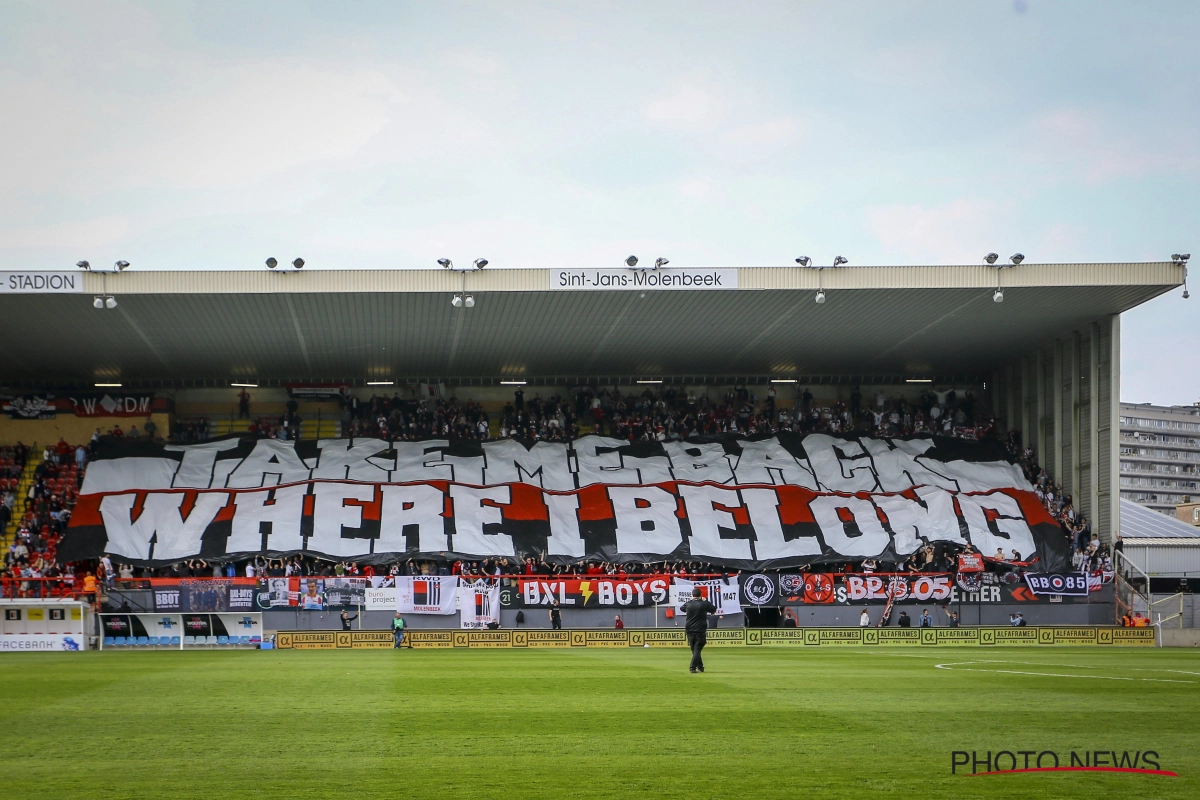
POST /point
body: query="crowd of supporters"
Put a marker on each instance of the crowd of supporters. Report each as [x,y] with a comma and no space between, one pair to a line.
[637,416]
[42,512]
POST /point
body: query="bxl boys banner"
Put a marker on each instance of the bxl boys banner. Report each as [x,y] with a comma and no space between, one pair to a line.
[757,503]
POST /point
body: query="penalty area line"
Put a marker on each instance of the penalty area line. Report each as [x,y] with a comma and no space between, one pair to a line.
[957,667]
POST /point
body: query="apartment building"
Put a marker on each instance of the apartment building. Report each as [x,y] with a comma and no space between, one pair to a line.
[1160,455]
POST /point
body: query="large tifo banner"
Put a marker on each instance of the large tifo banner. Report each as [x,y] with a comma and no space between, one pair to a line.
[752,504]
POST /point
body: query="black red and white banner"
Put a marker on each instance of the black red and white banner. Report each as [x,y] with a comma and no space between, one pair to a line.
[744,503]
[761,590]
[479,604]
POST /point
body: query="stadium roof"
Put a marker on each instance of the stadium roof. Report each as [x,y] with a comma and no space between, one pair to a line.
[1139,522]
[879,323]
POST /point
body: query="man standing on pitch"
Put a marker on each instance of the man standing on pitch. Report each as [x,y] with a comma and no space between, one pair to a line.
[697,610]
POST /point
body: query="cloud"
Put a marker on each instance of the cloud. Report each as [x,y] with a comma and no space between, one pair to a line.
[686,103]
[946,234]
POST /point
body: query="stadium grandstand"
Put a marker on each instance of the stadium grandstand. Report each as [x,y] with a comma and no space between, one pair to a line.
[1022,358]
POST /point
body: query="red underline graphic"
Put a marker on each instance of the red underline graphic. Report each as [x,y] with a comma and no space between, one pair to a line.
[1168,773]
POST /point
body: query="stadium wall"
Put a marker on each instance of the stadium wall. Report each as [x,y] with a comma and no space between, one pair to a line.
[1064,397]
[75,430]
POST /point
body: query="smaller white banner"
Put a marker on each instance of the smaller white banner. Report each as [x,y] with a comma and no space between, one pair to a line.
[381,599]
[722,594]
[41,643]
[670,278]
[479,604]
[426,594]
[41,282]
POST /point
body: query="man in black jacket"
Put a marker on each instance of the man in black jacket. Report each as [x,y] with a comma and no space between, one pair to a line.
[697,610]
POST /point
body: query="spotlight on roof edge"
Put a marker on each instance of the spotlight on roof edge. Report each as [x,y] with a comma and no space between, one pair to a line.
[445,263]
[631,261]
[83,265]
[820,296]
[298,263]
[660,262]
[998,297]
[990,258]
[804,261]
[110,302]
[121,266]
[837,262]
[480,263]
[1016,258]
[272,263]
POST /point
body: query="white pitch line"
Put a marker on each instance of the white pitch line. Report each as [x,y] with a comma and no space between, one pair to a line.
[951,667]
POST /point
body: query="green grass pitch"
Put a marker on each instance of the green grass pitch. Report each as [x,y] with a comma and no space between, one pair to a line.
[762,723]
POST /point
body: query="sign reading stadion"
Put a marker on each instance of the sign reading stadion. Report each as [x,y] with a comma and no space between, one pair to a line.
[751,504]
[40,282]
[669,278]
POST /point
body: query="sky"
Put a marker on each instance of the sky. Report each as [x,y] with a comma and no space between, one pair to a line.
[365,135]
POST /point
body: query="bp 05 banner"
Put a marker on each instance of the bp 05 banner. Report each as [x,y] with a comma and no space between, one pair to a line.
[595,592]
[752,504]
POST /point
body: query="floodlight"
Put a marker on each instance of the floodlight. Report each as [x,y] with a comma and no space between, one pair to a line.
[272,263]
[803,261]
[298,263]
[1016,258]
[457,301]
[998,297]
[469,301]
[480,263]
[991,258]
[83,265]
[111,302]
[121,266]
[660,262]
[631,261]
[98,302]
[837,262]
[821,296]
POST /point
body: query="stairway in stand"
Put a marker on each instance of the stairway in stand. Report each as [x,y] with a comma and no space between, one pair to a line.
[22,494]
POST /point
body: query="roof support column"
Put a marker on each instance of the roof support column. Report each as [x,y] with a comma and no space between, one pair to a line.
[1028,435]
[1073,365]
[1113,427]
[1012,416]
[1043,457]
[1093,495]
[1056,418]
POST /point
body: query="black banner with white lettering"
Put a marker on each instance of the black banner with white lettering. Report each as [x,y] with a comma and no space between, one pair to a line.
[752,504]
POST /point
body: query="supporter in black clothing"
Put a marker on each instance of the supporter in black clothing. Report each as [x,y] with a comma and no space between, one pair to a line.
[696,628]
[347,619]
[904,621]
[556,616]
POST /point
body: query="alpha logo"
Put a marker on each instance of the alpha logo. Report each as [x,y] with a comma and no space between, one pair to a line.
[818,588]
[759,590]
[1010,762]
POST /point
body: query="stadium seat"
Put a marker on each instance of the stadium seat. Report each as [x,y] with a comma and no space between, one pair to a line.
[109,640]
[222,640]
[211,640]
[143,640]
[245,640]
[175,641]
[118,640]
[152,641]
[255,639]
[189,640]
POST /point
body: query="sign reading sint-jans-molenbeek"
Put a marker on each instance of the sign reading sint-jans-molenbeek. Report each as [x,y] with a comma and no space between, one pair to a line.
[750,503]
[41,282]
[657,279]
